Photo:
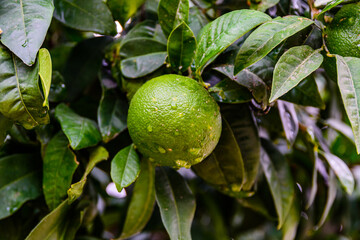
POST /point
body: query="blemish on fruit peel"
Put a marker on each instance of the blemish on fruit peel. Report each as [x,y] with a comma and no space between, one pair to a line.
[149,128]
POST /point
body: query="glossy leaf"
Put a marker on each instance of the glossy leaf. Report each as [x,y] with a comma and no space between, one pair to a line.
[125,167]
[45,73]
[224,168]
[306,93]
[289,120]
[85,15]
[341,170]
[58,169]
[131,47]
[349,85]
[24,25]
[245,130]
[197,20]
[279,178]
[171,13]
[330,5]
[176,203]
[266,37]
[60,224]
[140,66]
[81,132]
[20,181]
[216,36]
[147,29]
[142,201]
[21,99]
[97,155]
[181,47]
[5,126]
[83,64]
[293,66]
[112,114]
[341,127]
[228,91]
[122,10]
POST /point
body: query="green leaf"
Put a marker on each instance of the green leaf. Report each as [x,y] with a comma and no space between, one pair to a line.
[266,38]
[122,10]
[228,91]
[140,66]
[142,201]
[60,224]
[147,29]
[58,169]
[216,36]
[97,155]
[197,20]
[112,114]
[81,132]
[331,195]
[279,178]
[330,5]
[130,48]
[349,85]
[171,13]
[224,168]
[263,5]
[293,66]
[125,167]
[289,121]
[306,93]
[83,64]
[21,99]
[45,73]
[85,15]
[24,25]
[291,223]
[20,181]
[5,126]
[341,170]
[341,127]
[176,202]
[245,130]
[181,47]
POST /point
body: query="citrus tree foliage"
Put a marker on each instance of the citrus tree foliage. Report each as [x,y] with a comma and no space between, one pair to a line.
[286,165]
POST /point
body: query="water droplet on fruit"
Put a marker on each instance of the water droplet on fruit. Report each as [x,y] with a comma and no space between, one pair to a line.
[161,150]
[149,128]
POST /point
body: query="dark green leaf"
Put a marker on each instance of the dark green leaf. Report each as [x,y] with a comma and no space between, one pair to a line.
[57,89]
[221,33]
[83,64]
[341,170]
[197,20]
[112,114]
[291,223]
[85,15]
[293,66]
[81,132]
[122,10]
[279,178]
[289,121]
[266,38]
[142,201]
[224,168]
[176,203]
[246,133]
[125,167]
[58,169]
[341,127]
[146,29]
[228,91]
[60,224]
[131,47]
[97,155]
[21,99]
[330,5]
[171,13]
[24,25]
[140,66]
[306,93]
[181,47]
[349,85]
[20,181]
[45,73]
[5,126]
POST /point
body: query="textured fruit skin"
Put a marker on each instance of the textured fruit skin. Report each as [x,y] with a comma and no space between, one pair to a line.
[174,121]
[343,33]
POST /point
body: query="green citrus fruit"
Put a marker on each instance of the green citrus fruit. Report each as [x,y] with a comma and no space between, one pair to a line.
[343,33]
[174,121]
